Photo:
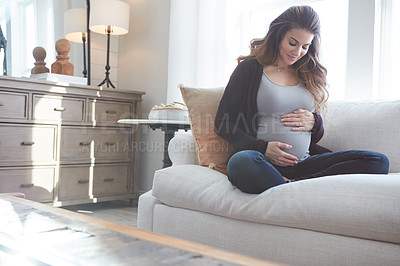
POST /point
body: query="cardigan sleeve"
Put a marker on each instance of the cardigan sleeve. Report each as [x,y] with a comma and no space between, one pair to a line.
[316,135]
[231,122]
[317,132]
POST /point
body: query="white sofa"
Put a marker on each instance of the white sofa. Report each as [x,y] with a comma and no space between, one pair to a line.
[334,220]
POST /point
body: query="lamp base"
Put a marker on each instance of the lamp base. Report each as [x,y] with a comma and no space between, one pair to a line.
[108,81]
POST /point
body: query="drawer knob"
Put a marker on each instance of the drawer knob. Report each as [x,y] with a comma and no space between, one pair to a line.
[111,112]
[83,181]
[110,143]
[84,143]
[27,185]
[108,179]
[60,109]
[27,143]
[1,104]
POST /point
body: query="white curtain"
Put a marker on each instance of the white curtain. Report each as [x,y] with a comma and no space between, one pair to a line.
[387,52]
[205,38]
[359,50]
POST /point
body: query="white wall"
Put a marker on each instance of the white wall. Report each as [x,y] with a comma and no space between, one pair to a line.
[143,66]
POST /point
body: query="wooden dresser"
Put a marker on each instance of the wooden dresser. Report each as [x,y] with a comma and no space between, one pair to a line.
[61,143]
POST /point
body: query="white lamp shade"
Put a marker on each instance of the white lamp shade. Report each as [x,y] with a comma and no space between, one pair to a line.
[75,23]
[113,13]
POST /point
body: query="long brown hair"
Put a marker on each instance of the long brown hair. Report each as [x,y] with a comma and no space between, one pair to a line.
[308,68]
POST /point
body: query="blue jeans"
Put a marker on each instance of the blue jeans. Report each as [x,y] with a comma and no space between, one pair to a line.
[251,172]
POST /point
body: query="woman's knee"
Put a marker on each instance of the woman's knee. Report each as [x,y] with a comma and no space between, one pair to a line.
[382,162]
[243,162]
[376,163]
[251,173]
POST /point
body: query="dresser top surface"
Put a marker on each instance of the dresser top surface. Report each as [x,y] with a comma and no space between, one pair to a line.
[30,83]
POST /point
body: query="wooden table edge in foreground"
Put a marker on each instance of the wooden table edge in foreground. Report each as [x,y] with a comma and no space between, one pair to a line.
[165,240]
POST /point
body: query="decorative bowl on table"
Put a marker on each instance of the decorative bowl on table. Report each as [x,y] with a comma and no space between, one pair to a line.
[174,111]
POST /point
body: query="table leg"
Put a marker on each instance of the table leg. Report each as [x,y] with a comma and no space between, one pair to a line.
[169,132]
[168,135]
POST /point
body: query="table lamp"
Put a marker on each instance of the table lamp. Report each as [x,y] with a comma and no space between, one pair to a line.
[75,29]
[109,17]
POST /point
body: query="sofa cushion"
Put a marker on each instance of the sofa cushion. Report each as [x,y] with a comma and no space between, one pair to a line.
[364,125]
[202,104]
[364,206]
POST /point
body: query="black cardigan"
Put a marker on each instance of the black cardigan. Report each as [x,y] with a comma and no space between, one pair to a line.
[236,119]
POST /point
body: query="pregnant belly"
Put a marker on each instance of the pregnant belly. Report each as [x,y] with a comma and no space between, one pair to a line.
[300,141]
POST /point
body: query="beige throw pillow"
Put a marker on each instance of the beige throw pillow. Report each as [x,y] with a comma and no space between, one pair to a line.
[202,104]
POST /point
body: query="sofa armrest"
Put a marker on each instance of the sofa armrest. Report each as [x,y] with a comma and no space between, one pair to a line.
[145,211]
[182,149]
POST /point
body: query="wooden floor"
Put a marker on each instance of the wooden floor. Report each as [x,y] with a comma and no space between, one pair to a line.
[115,211]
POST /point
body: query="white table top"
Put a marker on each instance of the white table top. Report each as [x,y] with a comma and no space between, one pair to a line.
[152,122]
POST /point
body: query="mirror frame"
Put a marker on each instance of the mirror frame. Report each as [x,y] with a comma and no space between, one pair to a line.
[88,42]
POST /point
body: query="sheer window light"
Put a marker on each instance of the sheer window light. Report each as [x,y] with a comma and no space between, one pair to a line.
[30,33]
[387,53]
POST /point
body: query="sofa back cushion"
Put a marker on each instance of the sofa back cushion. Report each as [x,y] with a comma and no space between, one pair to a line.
[202,104]
[366,125]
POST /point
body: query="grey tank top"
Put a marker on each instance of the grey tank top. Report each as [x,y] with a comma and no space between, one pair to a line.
[273,101]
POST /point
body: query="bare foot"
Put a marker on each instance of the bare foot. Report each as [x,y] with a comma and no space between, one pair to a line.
[287,180]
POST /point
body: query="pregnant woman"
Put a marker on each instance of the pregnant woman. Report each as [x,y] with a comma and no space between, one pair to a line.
[270,111]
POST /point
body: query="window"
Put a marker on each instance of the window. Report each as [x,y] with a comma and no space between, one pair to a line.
[27,10]
[387,53]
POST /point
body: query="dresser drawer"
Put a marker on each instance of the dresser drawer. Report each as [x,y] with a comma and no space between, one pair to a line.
[110,180]
[13,105]
[47,107]
[36,183]
[107,111]
[74,183]
[27,143]
[82,182]
[100,143]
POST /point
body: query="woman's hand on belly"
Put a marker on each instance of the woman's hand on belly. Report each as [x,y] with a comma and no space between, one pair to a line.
[277,156]
[300,120]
